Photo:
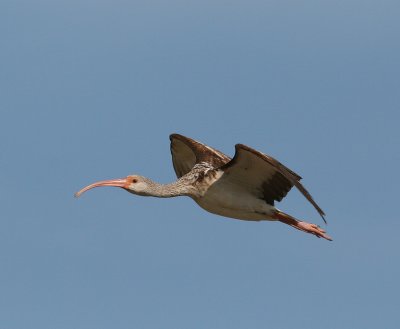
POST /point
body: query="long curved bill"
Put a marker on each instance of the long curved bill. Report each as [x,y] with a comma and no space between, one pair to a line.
[121,182]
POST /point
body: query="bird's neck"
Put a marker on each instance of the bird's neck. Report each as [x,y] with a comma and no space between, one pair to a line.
[178,188]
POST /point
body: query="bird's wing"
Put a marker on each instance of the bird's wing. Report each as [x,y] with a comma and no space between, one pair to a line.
[187,152]
[263,176]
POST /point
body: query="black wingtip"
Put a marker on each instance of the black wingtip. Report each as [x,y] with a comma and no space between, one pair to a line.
[323,217]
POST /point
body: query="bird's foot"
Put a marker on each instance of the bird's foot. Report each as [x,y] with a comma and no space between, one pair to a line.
[300,225]
[313,229]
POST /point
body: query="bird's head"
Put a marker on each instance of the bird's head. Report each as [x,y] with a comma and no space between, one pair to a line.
[133,183]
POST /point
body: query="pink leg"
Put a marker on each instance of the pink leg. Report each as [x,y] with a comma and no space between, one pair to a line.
[302,226]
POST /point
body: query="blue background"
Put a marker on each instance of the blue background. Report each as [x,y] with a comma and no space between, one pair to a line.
[91,90]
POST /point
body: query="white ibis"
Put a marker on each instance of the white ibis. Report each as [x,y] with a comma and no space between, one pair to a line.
[244,187]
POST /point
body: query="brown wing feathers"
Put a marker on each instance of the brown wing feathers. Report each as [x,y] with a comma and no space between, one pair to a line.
[276,184]
[278,179]
[187,152]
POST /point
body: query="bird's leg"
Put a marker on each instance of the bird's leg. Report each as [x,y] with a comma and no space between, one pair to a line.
[302,226]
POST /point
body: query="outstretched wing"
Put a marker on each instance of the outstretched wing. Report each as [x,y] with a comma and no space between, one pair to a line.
[187,152]
[263,176]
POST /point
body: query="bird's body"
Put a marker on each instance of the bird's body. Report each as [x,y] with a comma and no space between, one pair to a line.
[244,187]
[228,200]
[234,205]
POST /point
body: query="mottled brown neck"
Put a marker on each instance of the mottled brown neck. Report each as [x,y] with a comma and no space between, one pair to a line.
[178,188]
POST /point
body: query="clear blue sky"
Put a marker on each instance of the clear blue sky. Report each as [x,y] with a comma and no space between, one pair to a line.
[91,90]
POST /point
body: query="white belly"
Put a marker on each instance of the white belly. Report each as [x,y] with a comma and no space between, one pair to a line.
[234,203]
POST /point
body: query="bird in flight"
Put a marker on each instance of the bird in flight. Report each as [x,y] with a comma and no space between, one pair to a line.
[244,187]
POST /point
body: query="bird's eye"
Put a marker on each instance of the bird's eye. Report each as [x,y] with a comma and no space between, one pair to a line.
[134,180]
